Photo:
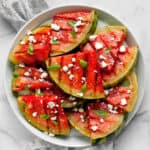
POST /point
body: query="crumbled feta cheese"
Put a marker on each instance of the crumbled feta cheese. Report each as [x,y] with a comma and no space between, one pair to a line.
[75,29]
[65,68]
[80,94]
[21,65]
[69,72]
[101,120]
[92,37]
[71,76]
[29,32]
[74,103]
[81,116]
[38,91]
[73,59]
[55,27]
[110,107]
[80,18]
[72,98]
[78,23]
[70,65]
[27,73]
[102,57]
[51,104]
[94,128]
[22,42]
[83,79]
[54,118]
[57,105]
[106,92]
[40,69]
[51,134]
[48,33]
[34,114]
[55,112]
[123,102]
[98,45]
[122,49]
[113,111]
[129,91]
[44,75]
[41,80]
[115,108]
[103,64]
[95,71]
[62,101]
[81,110]
[32,39]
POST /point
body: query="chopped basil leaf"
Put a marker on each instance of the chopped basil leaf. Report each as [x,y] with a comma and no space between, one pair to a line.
[44,116]
[101,113]
[54,41]
[125,83]
[16,75]
[72,23]
[54,67]
[24,105]
[83,63]
[30,50]
[73,33]
[83,88]
[107,50]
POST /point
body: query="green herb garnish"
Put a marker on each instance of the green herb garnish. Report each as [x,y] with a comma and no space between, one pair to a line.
[15,75]
[72,23]
[44,116]
[38,92]
[83,88]
[73,33]
[54,67]
[101,113]
[83,63]
[54,41]
[30,50]
[27,87]
[107,50]
[24,105]
[125,83]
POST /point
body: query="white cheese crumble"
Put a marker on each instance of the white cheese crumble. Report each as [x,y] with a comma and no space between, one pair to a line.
[21,65]
[98,45]
[83,79]
[94,128]
[44,75]
[22,42]
[32,39]
[110,107]
[81,110]
[72,98]
[62,101]
[29,32]
[101,120]
[92,37]
[75,109]
[103,64]
[123,102]
[40,70]
[122,49]
[55,112]
[41,80]
[80,94]
[70,65]
[73,59]
[71,76]
[102,57]
[65,68]
[80,18]
[69,72]
[27,73]
[74,103]
[129,91]
[55,27]
[34,114]
[54,118]
[51,104]
[106,92]
[78,23]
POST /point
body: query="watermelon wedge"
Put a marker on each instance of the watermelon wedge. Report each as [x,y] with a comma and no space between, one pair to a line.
[97,120]
[45,113]
[125,94]
[33,48]
[77,74]
[70,29]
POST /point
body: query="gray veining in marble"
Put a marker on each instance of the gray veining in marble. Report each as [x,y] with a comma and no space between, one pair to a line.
[136,14]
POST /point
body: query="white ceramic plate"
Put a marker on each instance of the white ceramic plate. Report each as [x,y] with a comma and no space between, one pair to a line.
[75,139]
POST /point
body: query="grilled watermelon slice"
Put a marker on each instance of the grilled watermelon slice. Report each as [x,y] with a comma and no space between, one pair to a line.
[77,74]
[74,28]
[32,48]
[125,94]
[103,120]
[97,120]
[45,113]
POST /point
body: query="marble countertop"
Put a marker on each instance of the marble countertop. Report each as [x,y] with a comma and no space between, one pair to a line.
[135,14]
